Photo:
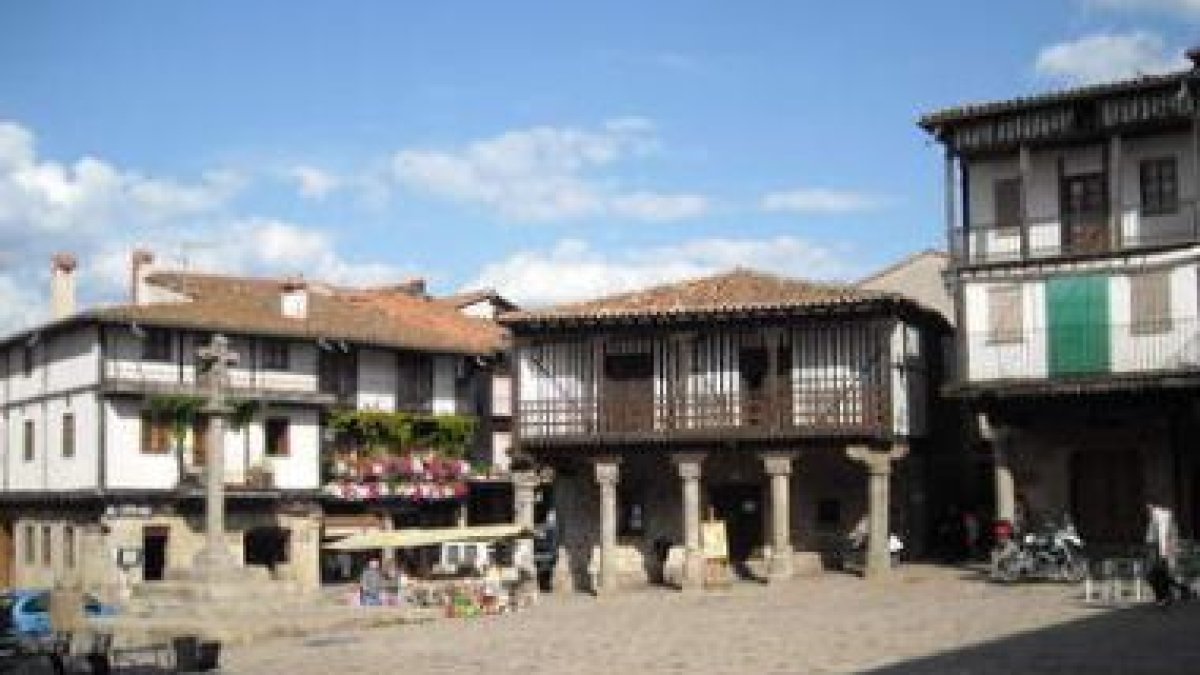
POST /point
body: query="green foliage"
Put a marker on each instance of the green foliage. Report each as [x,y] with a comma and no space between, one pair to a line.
[180,410]
[387,432]
[243,412]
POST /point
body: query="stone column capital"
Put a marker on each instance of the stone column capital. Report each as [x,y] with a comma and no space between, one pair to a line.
[608,470]
[778,463]
[877,462]
[688,464]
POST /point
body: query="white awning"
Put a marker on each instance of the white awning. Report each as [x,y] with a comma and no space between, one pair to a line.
[412,538]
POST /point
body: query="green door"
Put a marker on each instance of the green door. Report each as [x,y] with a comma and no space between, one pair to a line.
[1077,312]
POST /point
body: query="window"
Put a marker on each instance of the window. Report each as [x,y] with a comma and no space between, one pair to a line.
[156,434]
[30,545]
[1005,321]
[1008,198]
[68,435]
[632,514]
[27,360]
[28,440]
[275,355]
[1160,186]
[47,545]
[1150,303]
[156,345]
[277,436]
[69,546]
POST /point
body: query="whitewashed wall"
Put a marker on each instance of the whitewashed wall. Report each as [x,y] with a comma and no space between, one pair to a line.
[1178,347]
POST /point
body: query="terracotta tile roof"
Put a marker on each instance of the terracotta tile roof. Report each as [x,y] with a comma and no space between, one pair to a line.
[736,292]
[389,317]
[950,116]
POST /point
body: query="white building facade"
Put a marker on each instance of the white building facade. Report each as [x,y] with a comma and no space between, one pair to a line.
[1075,240]
[101,488]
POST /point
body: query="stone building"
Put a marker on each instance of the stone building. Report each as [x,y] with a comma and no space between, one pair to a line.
[100,487]
[1075,249]
[777,406]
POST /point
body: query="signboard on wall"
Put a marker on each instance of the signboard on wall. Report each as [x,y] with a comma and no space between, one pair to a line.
[713,541]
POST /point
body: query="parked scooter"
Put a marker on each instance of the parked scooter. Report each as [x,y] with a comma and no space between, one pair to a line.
[1054,553]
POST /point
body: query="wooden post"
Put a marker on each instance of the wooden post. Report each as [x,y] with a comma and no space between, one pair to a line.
[1026,164]
[1115,208]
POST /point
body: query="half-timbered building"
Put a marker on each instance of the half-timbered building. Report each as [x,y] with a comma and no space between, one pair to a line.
[756,400]
[1075,241]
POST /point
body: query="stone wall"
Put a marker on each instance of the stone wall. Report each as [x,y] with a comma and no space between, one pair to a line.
[99,537]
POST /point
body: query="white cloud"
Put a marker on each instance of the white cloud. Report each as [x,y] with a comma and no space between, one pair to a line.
[312,182]
[1183,7]
[252,246]
[573,270]
[659,207]
[819,201]
[42,195]
[1108,56]
[100,212]
[545,174]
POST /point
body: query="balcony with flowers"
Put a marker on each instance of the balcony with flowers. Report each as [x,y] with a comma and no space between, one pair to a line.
[404,456]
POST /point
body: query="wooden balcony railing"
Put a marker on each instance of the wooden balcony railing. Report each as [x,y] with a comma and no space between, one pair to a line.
[790,412]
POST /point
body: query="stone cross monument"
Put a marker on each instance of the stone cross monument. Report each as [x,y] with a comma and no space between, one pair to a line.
[213,378]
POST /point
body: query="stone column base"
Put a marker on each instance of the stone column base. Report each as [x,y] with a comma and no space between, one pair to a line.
[781,566]
[693,571]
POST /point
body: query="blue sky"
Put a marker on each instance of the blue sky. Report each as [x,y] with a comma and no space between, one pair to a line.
[553,150]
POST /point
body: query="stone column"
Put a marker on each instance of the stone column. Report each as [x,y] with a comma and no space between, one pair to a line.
[689,467]
[999,440]
[778,466]
[879,470]
[607,474]
[524,488]
[215,360]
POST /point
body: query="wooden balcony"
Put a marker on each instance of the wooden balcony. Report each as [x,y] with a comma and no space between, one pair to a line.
[789,413]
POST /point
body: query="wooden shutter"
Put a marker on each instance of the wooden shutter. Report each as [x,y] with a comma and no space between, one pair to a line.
[1150,303]
[1005,315]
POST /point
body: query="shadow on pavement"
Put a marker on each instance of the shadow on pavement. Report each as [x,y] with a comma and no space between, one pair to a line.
[1141,639]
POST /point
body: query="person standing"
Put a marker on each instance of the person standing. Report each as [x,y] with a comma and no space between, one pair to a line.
[371,584]
[1162,540]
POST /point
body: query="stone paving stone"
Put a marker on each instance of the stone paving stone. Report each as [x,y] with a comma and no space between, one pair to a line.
[927,620]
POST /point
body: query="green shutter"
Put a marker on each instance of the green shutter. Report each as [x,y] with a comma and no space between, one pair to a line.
[1077,312]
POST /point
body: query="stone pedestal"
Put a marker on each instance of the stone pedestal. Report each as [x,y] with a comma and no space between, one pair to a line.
[879,470]
[524,490]
[689,467]
[778,467]
[607,475]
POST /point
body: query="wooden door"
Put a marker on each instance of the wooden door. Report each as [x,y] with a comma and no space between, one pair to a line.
[1085,213]
[7,552]
[1107,499]
[628,392]
[1078,318]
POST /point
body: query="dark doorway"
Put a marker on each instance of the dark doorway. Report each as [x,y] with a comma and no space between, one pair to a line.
[740,506]
[266,546]
[629,392]
[154,551]
[1107,498]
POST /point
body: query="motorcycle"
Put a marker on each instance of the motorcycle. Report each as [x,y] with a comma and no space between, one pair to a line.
[1054,553]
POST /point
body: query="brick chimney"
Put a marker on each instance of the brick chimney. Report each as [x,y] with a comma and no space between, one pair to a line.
[62,285]
[293,298]
[141,262]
